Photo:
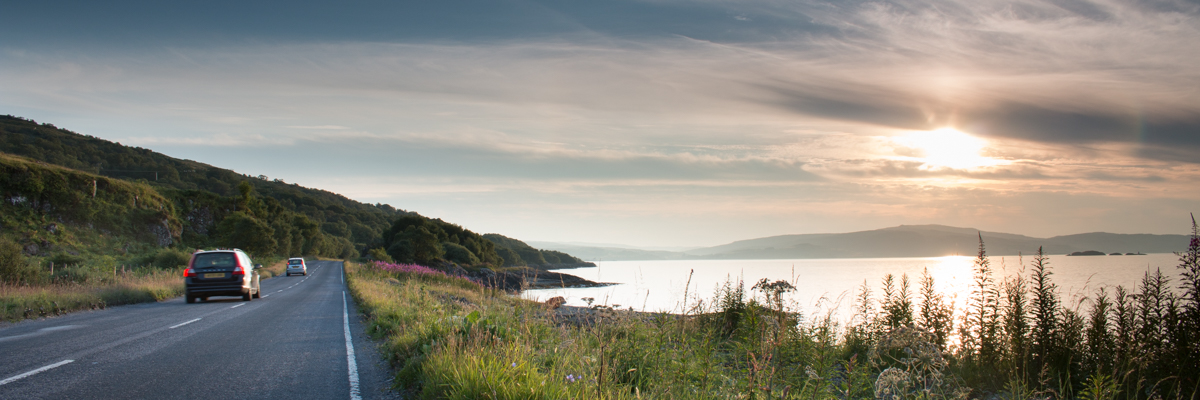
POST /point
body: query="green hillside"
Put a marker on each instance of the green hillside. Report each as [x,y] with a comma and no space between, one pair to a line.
[48,208]
[148,201]
[516,252]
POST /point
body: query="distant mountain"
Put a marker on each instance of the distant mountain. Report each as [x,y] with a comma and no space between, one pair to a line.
[899,241]
[598,253]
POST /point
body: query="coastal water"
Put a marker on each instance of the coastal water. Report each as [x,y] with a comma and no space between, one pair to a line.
[830,285]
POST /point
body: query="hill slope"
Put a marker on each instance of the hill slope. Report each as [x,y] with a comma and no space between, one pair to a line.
[205,206]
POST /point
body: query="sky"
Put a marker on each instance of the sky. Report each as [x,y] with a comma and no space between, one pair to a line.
[655,123]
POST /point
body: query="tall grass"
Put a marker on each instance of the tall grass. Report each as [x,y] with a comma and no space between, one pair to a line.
[97,283]
[19,302]
[449,337]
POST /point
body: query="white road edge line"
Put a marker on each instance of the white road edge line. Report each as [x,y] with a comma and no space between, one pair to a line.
[185,323]
[353,365]
[239,305]
[35,372]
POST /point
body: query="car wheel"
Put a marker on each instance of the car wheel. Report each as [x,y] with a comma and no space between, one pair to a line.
[205,298]
[258,293]
[189,299]
[247,296]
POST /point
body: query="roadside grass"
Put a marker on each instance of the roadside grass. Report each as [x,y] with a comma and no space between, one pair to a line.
[449,338]
[272,268]
[97,284]
[19,302]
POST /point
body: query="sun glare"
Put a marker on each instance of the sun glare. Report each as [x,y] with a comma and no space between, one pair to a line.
[945,148]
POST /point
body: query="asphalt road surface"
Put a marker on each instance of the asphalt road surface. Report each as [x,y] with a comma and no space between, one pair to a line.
[294,343]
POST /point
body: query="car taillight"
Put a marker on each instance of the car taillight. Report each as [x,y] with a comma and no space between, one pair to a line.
[239,270]
[189,273]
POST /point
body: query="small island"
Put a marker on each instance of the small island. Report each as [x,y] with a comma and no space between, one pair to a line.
[1088,253]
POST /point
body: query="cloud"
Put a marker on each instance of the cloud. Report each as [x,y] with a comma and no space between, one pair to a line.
[651,107]
[321,127]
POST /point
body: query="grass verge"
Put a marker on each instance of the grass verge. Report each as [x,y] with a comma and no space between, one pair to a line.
[449,338]
[19,302]
[91,289]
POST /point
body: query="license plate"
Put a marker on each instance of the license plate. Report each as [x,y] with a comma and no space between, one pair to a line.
[210,276]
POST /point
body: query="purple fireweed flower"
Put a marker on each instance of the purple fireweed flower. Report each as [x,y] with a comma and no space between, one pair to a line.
[409,268]
[416,269]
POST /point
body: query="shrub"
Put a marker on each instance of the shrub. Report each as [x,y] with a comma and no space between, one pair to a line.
[379,254]
[14,267]
[459,254]
[170,258]
[64,259]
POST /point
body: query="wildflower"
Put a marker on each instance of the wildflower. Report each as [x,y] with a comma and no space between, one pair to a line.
[808,370]
[891,384]
[514,365]
[572,378]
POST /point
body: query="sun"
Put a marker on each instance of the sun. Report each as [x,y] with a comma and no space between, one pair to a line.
[944,148]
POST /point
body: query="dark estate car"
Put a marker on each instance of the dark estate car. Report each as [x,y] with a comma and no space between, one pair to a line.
[220,273]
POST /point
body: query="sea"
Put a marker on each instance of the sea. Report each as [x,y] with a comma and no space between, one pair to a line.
[828,287]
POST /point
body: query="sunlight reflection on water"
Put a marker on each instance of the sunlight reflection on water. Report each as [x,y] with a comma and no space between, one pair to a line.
[832,284]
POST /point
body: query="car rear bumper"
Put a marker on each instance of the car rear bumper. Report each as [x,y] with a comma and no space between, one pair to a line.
[235,290]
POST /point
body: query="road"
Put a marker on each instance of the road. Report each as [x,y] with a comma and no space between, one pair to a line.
[291,344]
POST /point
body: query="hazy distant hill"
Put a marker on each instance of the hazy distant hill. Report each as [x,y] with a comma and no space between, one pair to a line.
[900,241]
[603,253]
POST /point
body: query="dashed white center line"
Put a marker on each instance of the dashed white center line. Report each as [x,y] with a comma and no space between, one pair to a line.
[266,296]
[239,305]
[35,372]
[185,323]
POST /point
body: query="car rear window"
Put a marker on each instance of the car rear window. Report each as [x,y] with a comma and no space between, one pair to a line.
[295,262]
[207,260]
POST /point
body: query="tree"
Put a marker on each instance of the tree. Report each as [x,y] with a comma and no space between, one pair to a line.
[14,268]
[416,245]
[379,254]
[459,254]
[511,258]
[243,231]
